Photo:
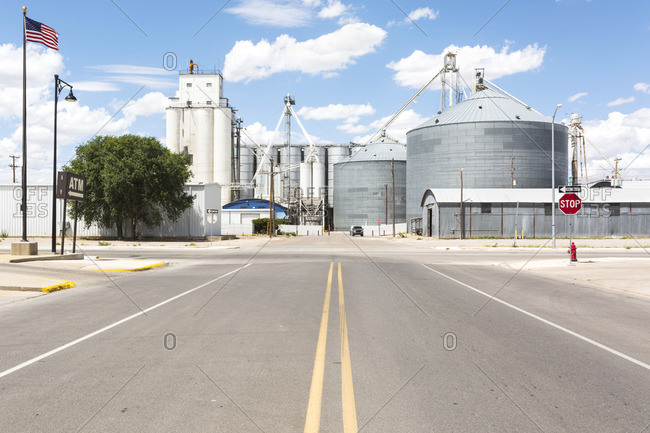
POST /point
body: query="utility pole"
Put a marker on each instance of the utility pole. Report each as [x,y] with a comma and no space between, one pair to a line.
[13,165]
[461,204]
[616,168]
[386,195]
[392,169]
[512,172]
[271,202]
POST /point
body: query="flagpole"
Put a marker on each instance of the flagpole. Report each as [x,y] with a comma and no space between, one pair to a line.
[24,203]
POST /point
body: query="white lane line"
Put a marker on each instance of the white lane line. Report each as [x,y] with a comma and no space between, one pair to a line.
[561,328]
[113,325]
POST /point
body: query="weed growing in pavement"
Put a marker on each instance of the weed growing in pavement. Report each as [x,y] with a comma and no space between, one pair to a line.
[103,244]
[191,245]
[4,234]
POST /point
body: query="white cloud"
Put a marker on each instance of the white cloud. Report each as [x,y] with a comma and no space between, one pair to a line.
[94,86]
[418,68]
[408,120]
[333,9]
[328,53]
[134,74]
[274,13]
[577,96]
[620,101]
[76,122]
[257,134]
[619,136]
[426,13]
[336,112]
[417,14]
[42,64]
[642,87]
[131,70]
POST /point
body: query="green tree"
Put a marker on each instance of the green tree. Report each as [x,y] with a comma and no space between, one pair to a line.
[131,179]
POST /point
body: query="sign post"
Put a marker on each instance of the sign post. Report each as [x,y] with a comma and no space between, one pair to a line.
[70,187]
[570,204]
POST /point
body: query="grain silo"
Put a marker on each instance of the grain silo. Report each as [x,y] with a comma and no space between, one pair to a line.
[498,141]
[363,185]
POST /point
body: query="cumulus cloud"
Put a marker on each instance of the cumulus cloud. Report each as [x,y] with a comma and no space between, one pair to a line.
[328,53]
[408,120]
[619,136]
[423,13]
[42,64]
[642,87]
[577,96]
[415,15]
[76,122]
[620,101]
[333,9]
[418,68]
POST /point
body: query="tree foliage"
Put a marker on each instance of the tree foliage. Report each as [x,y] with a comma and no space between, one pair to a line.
[131,179]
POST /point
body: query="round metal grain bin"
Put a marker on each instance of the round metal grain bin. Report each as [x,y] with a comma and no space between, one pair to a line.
[481,135]
[359,185]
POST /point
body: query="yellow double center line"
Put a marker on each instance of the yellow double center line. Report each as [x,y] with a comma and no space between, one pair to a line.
[312,421]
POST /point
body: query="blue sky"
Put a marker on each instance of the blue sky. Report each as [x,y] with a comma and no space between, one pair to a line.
[348,64]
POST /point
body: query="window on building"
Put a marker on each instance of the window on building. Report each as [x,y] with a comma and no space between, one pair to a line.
[191,159]
[208,102]
[615,209]
[189,84]
[486,207]
[208,84]
[548,209]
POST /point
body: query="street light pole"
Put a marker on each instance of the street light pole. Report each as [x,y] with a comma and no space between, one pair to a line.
[58,86]
[558,106]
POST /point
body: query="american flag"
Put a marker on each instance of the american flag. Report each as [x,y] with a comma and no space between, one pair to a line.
[38,32]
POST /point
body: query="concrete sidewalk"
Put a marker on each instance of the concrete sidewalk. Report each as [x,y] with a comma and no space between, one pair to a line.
[629,275]
[20,279]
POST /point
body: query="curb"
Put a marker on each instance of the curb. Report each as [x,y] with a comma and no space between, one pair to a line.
[47,257]
[57,287]
[143,268]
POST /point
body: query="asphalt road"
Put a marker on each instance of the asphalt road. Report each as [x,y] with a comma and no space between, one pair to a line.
[326,333]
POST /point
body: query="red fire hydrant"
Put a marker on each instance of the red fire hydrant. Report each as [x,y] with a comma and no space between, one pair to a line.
[574,252]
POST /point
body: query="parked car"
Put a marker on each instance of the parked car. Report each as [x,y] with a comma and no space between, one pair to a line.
[356,230]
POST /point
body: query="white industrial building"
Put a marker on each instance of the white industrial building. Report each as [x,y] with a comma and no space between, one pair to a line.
[198,221]
[199,123]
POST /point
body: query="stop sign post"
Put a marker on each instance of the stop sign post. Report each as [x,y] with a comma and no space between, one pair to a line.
[570,204]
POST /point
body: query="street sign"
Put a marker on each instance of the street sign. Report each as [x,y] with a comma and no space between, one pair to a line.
[570,204]
[570,188]
[212,210]
[70,186]
[378,221]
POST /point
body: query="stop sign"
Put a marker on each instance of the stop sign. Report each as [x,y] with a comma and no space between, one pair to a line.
[570,204]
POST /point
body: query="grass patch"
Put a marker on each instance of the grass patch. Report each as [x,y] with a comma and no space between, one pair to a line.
[103,244]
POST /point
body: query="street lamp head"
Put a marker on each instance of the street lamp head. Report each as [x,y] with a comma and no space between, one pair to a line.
[71,97]
[558,106]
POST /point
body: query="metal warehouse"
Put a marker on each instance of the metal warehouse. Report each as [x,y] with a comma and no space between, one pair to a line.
[527,213]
